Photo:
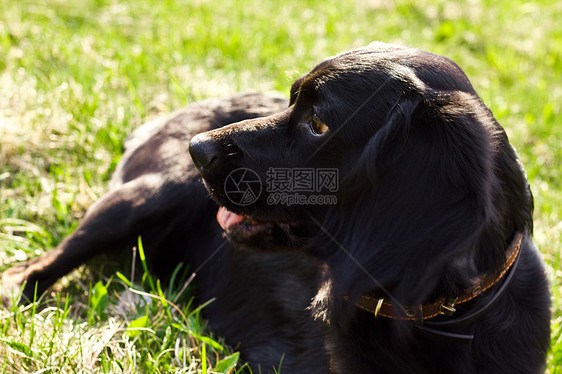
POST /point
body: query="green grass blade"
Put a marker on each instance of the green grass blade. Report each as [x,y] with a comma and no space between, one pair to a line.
[227,364]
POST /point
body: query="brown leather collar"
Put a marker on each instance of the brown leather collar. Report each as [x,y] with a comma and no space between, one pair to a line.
[381,307]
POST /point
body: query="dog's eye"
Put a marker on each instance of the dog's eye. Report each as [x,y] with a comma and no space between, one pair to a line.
[317,126]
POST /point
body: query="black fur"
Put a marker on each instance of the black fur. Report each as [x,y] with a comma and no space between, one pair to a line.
[430,195]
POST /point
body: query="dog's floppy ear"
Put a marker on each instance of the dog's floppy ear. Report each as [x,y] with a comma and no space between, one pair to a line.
[418,200]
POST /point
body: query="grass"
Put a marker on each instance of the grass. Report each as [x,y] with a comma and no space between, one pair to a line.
[143,330]
[77,77]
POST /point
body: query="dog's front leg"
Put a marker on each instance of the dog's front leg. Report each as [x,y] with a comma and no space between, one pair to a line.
[111,224]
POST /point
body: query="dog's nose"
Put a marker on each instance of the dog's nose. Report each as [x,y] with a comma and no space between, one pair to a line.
[203,151]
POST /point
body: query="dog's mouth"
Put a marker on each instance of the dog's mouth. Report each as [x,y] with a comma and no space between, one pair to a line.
[242,225]
[263,235]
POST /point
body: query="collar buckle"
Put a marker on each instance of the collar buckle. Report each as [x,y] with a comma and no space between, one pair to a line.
[448,307]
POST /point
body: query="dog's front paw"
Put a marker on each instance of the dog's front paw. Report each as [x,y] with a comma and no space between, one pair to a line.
[13,279]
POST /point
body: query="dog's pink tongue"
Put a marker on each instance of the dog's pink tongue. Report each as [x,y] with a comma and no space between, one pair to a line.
[226,218]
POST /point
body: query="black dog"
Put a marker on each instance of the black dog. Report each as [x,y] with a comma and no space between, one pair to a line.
[156,192]
[386,181]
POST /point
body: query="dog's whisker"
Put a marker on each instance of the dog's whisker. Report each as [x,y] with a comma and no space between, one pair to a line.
[237,144]
[191,96]
[217,250]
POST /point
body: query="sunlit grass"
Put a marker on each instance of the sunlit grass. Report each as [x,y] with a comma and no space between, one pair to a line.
[122,327]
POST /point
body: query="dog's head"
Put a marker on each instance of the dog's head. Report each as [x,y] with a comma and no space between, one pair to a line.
[385,157]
